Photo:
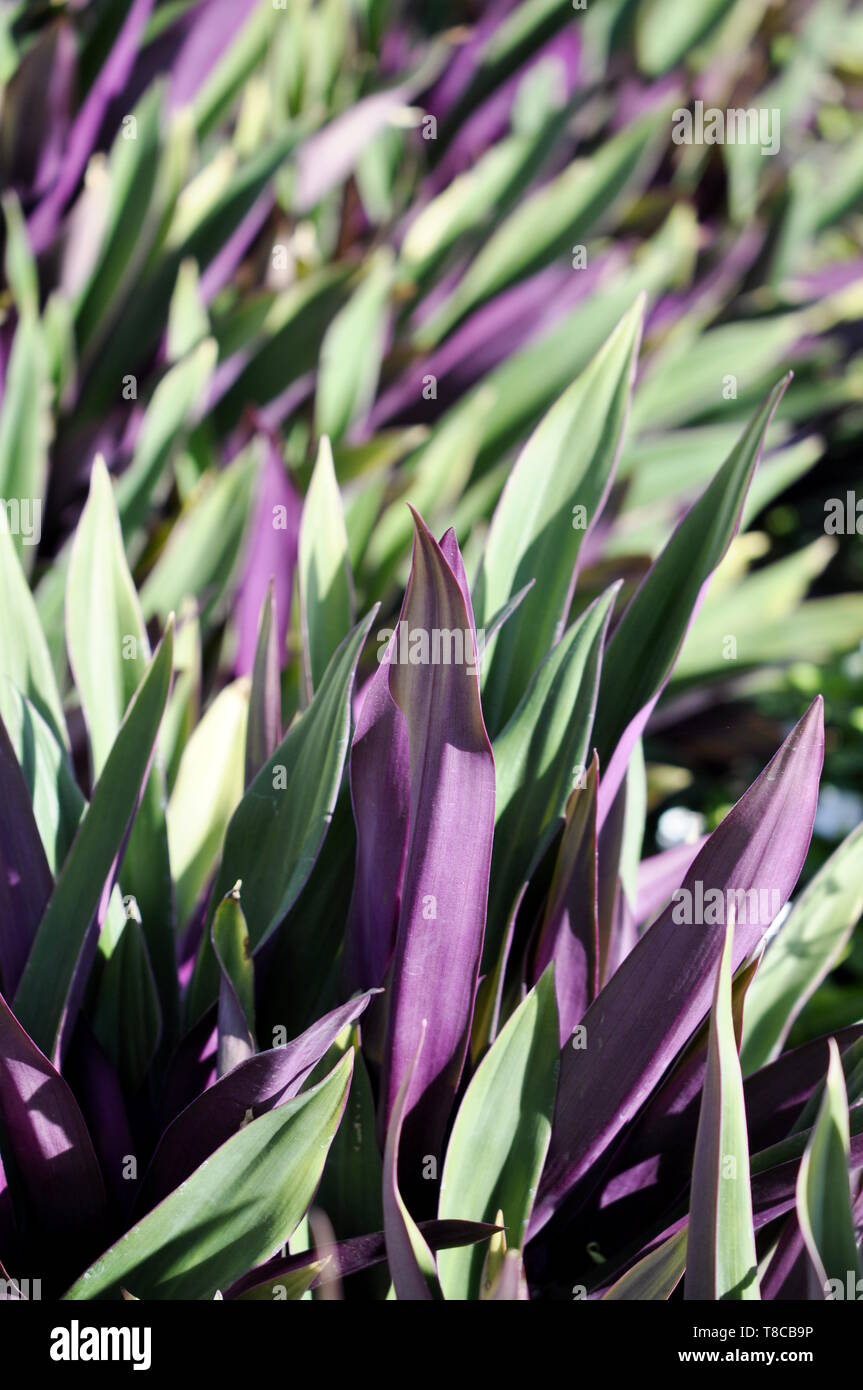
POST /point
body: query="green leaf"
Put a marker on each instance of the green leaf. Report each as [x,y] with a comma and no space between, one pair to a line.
[234,1211]
[687,378]
[168,414]
[24,656]
[131,192]
[206,793]
[553,494]
[79,896]
[25,431]
[824,1205]
[547,224]
[264,728]
[656,1275]
[126,1018]
[287,1288]
[412,1262]
[351,352]
[20,265]
[510,44]
[766,615]
[326,598]
[108,646]
[281,337]
[109,653]
[434,485]
[538,758]
[188,324]
[483,191]
[667,30]
[236,1020]
[57,801]
[721,1262]
[276,832]
[501,1133]
[350,1190]
[201,556]
[184,704]
[806,948]
[646,641]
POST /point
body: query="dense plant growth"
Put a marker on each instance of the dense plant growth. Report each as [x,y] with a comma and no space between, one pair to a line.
[428,543]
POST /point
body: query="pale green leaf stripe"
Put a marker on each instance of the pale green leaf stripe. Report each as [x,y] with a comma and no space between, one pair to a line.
[805,950]
[656,1276]
[536,533]
[326,598]
[824,1208]
[105,634]
[721,1261]
[109,653]
[234,1211]
[24,656]
[351,352]
[206,793]
[506,1116]
[25,431]
[43,993]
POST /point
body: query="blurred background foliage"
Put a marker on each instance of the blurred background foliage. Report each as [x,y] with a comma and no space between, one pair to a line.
[232,227]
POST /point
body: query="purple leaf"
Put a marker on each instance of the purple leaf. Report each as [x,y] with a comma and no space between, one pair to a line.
[47,1152]
[380,795]
[260,1084]
[25,878]
[358,1253]
[328,157]
[104,1109]
[658,877]
[272,558]
[215,27]
[490,335]
[662,991]
[445,891]
[569,933]
[82,137]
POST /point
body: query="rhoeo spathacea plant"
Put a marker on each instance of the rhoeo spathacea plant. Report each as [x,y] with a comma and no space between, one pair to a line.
[404,450]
